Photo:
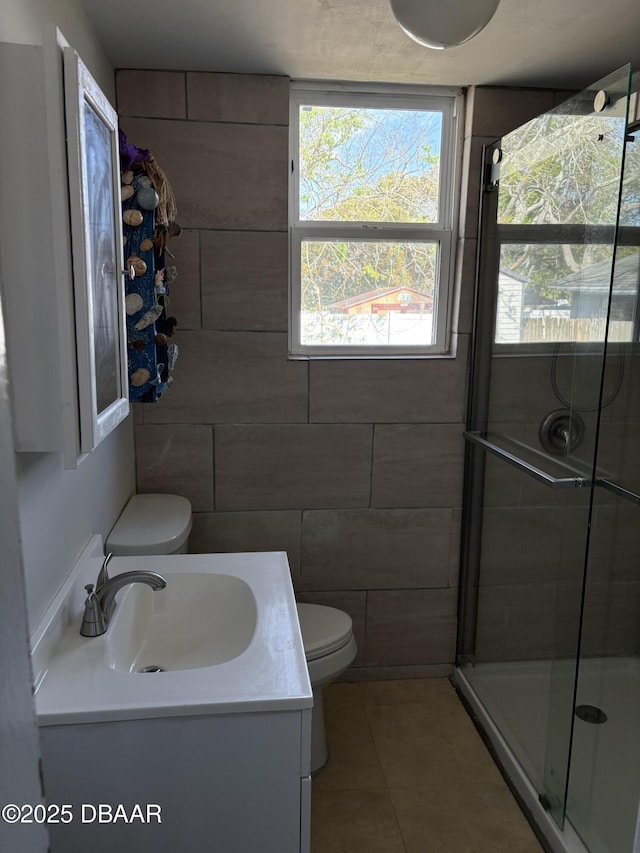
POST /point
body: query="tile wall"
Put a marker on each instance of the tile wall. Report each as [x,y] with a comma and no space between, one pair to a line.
[353,467]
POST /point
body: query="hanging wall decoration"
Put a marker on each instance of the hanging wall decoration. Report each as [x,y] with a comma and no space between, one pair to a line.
[149,211]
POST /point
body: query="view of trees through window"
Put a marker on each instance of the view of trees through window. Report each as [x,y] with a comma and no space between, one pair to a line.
[562,171]
[379,168]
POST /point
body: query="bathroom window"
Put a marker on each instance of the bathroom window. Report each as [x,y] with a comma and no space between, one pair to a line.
[371,220]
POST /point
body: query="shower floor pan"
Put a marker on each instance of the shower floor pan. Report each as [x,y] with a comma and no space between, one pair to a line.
[512,703]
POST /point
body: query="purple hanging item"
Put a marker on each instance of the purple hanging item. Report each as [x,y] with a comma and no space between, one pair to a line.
[130,154]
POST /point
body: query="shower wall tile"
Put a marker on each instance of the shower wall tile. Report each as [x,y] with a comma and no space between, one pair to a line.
[292,467]
[417,465]
[388,391]
[245,280]
[353,603]
[516,623]
[246,98]
[176,460]
[152,94]
[226,176]
[497,111]
[185,292]
[521,391]
[410,627]
[614,543]
[611,624]
[242,377]
[375,549]
[529,545]
[221,532]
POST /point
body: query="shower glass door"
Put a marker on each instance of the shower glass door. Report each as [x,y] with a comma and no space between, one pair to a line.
[550,215]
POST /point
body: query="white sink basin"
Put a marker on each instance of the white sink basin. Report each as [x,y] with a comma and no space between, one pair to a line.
[197,620]
[224,630]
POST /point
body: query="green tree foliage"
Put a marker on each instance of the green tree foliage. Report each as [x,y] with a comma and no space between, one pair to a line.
[366,165]
[560,169]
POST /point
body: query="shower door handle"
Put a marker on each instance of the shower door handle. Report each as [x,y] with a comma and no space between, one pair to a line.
[572,482]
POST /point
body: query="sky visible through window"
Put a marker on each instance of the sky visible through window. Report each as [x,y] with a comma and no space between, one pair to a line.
[373,165]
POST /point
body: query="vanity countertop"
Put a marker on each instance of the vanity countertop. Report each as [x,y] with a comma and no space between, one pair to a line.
[77,682]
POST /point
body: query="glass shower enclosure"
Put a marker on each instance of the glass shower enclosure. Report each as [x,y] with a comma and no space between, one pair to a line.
[549,636]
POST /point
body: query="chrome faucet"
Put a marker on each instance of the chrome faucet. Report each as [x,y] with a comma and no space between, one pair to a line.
[99,606]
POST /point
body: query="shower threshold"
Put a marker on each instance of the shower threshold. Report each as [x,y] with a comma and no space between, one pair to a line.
[511,703]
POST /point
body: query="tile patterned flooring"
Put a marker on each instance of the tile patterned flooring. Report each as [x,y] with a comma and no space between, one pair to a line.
[408,773]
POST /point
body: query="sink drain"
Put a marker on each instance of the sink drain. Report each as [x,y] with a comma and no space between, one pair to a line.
[591,714]
[152,668]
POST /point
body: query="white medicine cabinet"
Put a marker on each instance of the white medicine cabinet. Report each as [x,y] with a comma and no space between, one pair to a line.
[60,251]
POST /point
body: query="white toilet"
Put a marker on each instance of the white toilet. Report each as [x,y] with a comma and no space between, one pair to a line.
[160,524]
[151,524]
[330,647]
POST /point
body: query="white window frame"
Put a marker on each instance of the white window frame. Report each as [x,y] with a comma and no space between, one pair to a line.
[449,103]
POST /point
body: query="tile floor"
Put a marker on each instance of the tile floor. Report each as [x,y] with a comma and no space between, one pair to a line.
[408,773]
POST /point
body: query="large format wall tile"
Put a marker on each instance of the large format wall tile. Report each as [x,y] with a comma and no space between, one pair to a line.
[389,391]
[375,549]
[497,111]
[411,627]
[529,545]
[222,532]
[250,98]
[225,377]
[292,466]
[176,460]
[228,176]
[245,280]
[417,465]
[186,304]
[152,94]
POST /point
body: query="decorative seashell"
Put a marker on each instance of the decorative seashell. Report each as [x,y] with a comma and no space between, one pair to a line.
[144,181]
[133,303]
[126,192]
[139,377]
[138,265]
[127,177]
[148,318]
[132,217]
[138,345]
[146,245]
[161,339]
[175,230]
[147,198]
[170,274]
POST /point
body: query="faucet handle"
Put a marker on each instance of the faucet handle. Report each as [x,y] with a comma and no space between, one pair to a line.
[93,622]
[103,576]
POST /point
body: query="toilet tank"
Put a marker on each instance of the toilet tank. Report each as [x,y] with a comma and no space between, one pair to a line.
[151,524]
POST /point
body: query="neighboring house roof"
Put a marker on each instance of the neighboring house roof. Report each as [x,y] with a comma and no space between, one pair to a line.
[597,277]
[371,295]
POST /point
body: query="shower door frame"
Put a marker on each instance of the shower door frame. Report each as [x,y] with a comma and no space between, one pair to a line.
[558,836]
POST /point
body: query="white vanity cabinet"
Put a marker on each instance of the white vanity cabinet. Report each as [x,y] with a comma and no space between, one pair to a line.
[225,783]
[223,749]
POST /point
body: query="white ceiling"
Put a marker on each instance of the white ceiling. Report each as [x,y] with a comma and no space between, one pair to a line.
[560,43]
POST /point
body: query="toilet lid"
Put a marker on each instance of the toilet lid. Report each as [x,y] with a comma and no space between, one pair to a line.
[324,629]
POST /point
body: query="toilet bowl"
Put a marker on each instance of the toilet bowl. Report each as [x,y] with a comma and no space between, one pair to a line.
[151,524]
[330,648]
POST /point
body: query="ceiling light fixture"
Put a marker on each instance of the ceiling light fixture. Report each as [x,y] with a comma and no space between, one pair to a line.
[443,23]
